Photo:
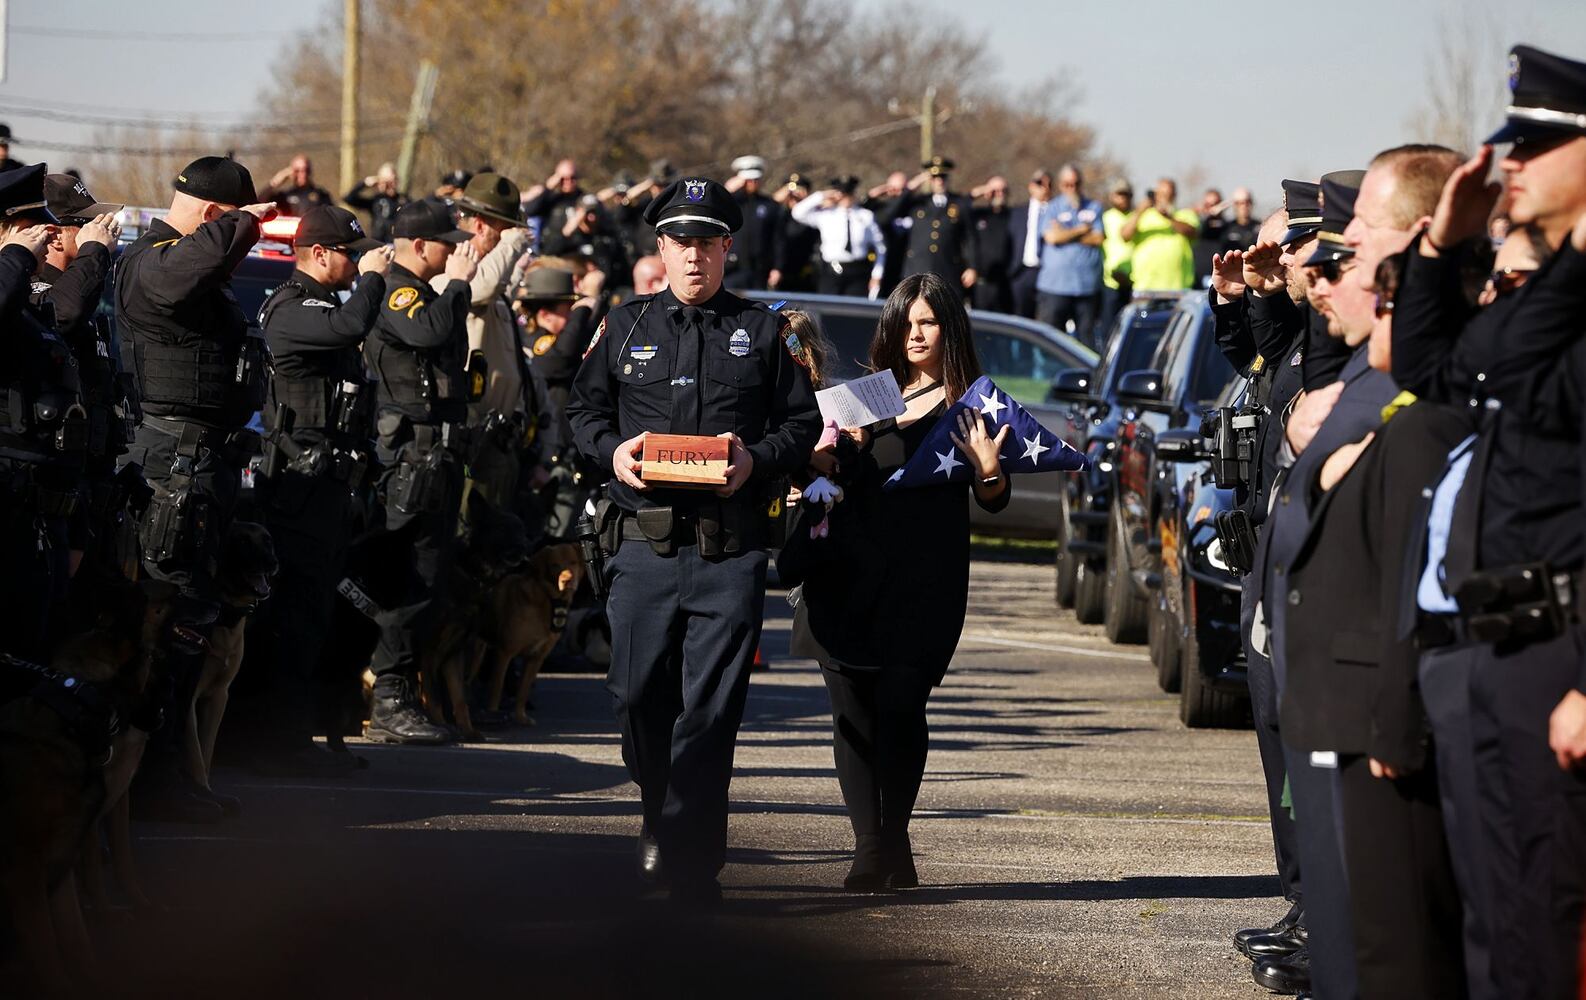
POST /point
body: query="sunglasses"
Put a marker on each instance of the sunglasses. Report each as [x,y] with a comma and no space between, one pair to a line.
[1332,270]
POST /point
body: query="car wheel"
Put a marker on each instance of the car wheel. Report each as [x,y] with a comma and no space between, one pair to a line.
[1065,561]
[1124,614]
[1164,643]
[1090,591]
[1200,705]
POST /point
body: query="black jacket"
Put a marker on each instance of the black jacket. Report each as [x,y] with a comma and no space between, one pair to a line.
[315,340]
[1352,678]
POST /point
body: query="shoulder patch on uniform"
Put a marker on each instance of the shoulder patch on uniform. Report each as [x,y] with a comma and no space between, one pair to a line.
[544,343]
[319,303]
[795,347]
[600,331]
[402,298]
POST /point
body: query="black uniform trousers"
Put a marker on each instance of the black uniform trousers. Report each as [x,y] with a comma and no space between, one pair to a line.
[852,279]
[1057,310]
[1445,693]
[31,573]
[1021,290]
[1269,743]
[308,521]
[992,292]
[1319,836]
[430,537]
[880,745]
[1530,815]
[683,634]
[1402,893]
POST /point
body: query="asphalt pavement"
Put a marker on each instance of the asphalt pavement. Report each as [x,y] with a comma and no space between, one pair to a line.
[1073,840]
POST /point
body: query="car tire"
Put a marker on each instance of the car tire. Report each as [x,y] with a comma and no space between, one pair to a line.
[1200,705]
[1165,653]
[1065,562]
[1090,592]
[1124,614]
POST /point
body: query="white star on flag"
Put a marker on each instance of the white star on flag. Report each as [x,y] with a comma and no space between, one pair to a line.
[993,406]
[946,463]
[1033,448]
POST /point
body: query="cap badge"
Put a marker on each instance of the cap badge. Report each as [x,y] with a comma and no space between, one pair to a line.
[353,225]
[694,190]
[1514,70]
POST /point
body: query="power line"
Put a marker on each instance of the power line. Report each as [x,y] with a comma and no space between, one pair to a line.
[103,34]
[80,118]
[264,150]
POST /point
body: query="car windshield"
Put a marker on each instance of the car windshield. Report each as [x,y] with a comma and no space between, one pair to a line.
[1212,371]
[849,336]
[1133,350]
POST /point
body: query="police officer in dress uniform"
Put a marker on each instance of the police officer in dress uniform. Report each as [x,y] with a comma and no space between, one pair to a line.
[687,567]
[201,369]
[319,423]
[417,351]
[43,427]
[941,236]
[1500,618]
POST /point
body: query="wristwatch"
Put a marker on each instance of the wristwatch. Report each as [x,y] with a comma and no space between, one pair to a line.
[991,480]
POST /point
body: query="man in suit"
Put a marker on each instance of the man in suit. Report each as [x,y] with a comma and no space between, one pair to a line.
[940,226]
[1024,232]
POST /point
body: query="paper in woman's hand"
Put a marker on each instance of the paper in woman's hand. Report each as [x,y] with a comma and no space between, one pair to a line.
[862,401]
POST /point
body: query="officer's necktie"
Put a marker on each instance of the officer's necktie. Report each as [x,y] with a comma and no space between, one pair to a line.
[848,228]
[686,371]
[1463,555]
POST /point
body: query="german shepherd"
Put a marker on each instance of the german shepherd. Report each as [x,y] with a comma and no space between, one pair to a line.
[528,614]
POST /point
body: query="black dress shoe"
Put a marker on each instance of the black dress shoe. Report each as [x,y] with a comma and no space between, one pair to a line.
[650,870]
[1290,920]
[1285,975]
[868,872]
[898,859]
[1279,945]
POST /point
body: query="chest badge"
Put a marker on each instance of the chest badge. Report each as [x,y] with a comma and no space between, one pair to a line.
[738,344]
[643,352]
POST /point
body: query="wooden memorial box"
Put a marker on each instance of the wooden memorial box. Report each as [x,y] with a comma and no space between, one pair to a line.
[686,460]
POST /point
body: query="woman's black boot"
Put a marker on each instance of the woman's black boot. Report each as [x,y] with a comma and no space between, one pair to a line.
[868,873]
[897,858]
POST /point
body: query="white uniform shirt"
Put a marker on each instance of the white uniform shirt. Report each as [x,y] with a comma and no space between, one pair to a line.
[849,234]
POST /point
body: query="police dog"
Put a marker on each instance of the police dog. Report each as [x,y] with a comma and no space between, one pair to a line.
[493,545]
[55,742]
[247,564]
[528,614]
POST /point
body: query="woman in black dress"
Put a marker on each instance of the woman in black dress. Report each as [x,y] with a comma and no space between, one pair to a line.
[884,592]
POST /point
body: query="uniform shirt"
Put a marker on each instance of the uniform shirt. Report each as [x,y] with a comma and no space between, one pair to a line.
[1072,268]
[1030,253]
[938,240]
[297,200]
[1163,259]
[994,251]
[756,248]
[747,380]
[314,335]
[1431,594]
[382,208]
[849,234]
[493,330]
[427,325]
[1116,252]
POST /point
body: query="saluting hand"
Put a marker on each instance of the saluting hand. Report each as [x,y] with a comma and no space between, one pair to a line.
[104,229]
[463,263]
[264,211]
[376,261]
[983,450]
[740,464]
[1465,205]
[34,239]
[1263,268]
[1228,274]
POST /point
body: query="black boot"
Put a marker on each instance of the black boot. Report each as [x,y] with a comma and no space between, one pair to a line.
[1290,921]
[650,870]
[898,859]
[397,718]
[1285,975]
[868,873]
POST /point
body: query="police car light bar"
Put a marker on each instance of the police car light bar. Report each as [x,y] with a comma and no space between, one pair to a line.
[282,228]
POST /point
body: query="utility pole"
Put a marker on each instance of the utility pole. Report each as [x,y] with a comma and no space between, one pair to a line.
[349,94]
[928,124]
[418,120]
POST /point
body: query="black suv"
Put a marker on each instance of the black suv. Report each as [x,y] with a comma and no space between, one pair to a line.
[1091,426]
[1186,376]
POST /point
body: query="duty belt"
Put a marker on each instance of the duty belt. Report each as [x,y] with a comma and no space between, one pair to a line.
[1526,603]
[240,442]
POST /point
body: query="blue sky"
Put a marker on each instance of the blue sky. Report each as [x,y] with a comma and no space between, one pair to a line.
[1169,86]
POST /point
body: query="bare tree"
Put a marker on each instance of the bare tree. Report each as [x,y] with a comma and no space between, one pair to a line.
[1464,95]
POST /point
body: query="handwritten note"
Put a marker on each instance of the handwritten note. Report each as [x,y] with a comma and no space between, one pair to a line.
[863,401]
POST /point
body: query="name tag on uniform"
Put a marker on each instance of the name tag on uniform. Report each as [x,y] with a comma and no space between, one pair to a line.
[643,352]
[1325,758]
[738,346]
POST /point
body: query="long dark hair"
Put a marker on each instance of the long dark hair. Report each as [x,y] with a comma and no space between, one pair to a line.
[888,349]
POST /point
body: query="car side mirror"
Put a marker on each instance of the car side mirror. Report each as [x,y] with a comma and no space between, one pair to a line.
[1071,385]
[1180,446]
[1142,389]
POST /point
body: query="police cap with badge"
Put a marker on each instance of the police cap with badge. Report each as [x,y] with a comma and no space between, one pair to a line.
[694,206]
[334,228]
[1302,200]
[22,196]
[1548,102]
[1339,190]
